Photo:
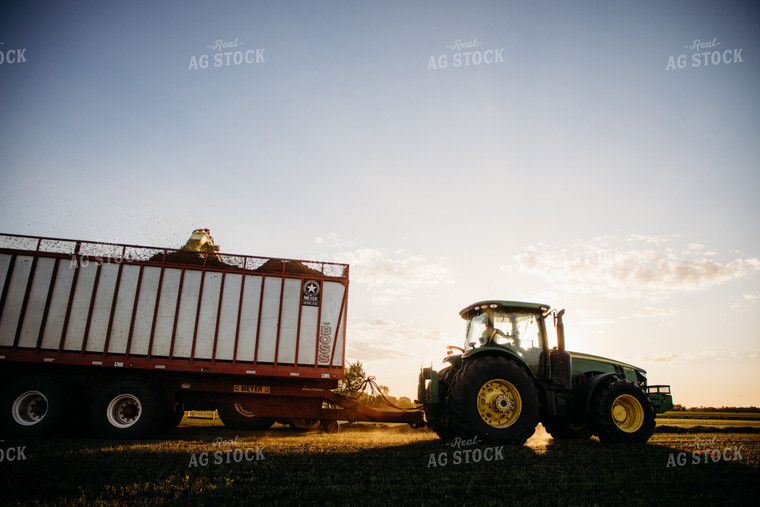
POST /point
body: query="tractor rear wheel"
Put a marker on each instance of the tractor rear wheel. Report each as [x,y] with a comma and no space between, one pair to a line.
[621,412]
[494,399]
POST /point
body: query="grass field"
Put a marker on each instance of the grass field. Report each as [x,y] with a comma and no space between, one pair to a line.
[377,464]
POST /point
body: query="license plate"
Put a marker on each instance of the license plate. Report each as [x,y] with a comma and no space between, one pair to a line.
[251,389]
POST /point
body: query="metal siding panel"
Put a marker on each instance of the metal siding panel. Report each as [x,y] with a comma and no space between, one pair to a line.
[204,346]
[270,309]
[291,300]
[14,300]
[51,338]
[225,345]
[340,341]
[249,318]
[167,305]
[80,307]
[332,299]
[124,305]
[146,305]
[309,331]
[101,311]
[35,308]
[188,307]
[56,304]
[5,263]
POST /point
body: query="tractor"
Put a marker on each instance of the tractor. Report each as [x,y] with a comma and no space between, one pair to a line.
[506,379]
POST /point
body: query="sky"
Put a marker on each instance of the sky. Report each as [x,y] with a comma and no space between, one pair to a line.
[596,156]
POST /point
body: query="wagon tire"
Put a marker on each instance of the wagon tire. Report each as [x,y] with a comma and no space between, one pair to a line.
[304,424]
[239,416]
[126,409]
[34,406]
[172,418]
[330,426]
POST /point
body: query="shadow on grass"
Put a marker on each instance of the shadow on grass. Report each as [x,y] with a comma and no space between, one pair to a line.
[319,469]
[706,429]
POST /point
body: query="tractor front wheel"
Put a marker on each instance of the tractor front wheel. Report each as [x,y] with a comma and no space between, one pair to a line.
[621,412]
[494,399]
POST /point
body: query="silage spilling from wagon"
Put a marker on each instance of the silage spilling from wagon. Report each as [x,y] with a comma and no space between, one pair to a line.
[274,266]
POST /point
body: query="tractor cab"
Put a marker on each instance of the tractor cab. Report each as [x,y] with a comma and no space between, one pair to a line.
[519,329]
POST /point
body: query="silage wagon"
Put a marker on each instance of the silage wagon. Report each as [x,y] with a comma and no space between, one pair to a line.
[128,337]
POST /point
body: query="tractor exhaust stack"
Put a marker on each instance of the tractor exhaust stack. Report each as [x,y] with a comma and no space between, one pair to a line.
[560,330]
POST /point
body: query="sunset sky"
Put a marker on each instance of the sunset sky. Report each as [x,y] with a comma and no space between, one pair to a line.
[568,153]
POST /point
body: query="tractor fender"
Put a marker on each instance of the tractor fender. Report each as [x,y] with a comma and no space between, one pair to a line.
[586,391]
[455,360]
[473,354]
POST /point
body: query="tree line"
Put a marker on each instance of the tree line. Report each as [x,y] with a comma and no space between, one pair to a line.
[358,385]
[681,408]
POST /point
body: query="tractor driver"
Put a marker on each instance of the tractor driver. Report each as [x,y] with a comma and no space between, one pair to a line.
[490,333]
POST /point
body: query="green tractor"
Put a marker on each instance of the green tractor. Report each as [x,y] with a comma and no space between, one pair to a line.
[507,379]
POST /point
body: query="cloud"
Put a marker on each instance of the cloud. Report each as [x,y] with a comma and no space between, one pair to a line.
[398,269]
[391,276]
[651,312]
[383,295]
[651,238]
[706,354]
[387,339]
[599,267]
[747,299]
[364,350]
[388,330]
[665,357]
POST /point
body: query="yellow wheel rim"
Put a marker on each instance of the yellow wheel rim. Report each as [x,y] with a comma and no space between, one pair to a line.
[499,403]
[627,413]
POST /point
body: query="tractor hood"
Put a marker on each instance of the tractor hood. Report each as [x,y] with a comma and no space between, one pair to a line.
[606,361]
